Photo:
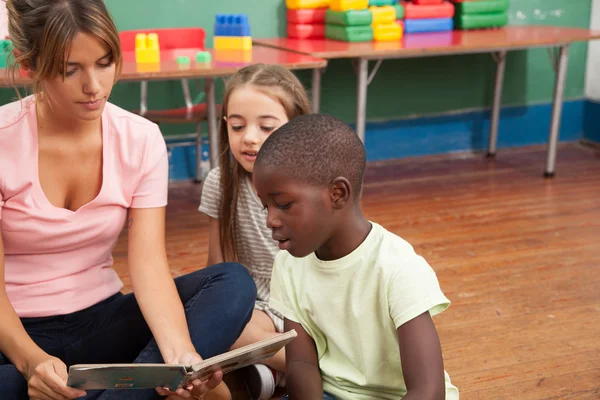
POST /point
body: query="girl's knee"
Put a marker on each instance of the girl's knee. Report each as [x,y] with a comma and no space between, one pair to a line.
[238,281]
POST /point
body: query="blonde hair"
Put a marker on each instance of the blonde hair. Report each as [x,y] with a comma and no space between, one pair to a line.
[282,85]
[42,32]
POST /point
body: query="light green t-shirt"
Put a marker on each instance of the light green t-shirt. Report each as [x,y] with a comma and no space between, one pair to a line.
[352,307]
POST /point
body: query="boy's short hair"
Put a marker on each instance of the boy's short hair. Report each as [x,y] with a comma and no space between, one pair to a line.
[315,149]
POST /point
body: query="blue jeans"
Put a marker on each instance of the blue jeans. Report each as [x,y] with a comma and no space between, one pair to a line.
[326,396]
[218,303]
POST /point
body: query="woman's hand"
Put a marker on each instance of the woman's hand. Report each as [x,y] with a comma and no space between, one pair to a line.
[196,389]
[47,380]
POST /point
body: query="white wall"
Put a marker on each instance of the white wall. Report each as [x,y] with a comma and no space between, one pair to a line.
[592,81]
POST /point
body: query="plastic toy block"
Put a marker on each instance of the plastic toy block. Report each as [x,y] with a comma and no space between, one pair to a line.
[231,25]
[428,25]
[306,31]
[203,57]
[300,4]
[414,11]
[399,11]
[232,43]
[387,32]
[478,21]
[345,5]
[380,3]
[361,33]
[482,7]
[429,2]
[306,16]
[147,50]
[383,15]
[349,18]
[232,56]
[182,60]
[6,48]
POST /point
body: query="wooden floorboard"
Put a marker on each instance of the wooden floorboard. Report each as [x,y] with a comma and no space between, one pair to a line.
[518,256]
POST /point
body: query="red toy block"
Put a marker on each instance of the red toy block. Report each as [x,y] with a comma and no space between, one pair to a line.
[427,2]
[307,16]
[306,31]
[418,11]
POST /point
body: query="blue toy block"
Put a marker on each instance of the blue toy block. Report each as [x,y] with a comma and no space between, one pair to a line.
[231,25]
[428,25]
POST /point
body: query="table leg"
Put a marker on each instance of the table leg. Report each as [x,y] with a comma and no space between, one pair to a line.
[500,68]
[361,97]
[316,90]
[213,133]
[559,89]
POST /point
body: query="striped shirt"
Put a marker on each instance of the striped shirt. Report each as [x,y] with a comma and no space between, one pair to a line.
[255,247]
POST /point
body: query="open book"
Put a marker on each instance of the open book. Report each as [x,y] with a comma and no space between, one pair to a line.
[172,376]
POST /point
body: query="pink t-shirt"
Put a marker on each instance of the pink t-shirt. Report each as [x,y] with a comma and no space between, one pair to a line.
[58,261]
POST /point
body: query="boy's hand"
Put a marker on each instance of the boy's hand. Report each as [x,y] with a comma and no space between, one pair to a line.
[197,388]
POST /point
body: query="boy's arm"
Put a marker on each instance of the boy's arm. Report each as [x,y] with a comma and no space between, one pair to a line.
[421,357]
[303,377]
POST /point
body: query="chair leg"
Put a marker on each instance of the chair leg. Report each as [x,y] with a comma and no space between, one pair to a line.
[200,172]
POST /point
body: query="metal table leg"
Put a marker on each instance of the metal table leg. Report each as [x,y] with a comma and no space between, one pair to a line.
[500,59]
[559,89]
[316,90]
[211,110]
[361,97]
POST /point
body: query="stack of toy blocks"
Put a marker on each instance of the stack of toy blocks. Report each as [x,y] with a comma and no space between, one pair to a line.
[5,53]
[385,14]
[306,18]
[147,49]
[477,14]
[349,21]
[232,32]
[428,16]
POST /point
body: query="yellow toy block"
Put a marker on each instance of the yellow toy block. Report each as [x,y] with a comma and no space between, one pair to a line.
[223,42]
[242,43]
[383,15]
[233,56]
[346,5]
[147,50]
[387,32]
[297,4]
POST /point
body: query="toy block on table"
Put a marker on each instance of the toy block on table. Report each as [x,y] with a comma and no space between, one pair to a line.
[418,11]
[428,25]
[359,33]
[349,18]
[479,21]
[306,31]
[6,48]
[482,7]
[346,5]
[399,11]
[387,32]
[203,57]
[232,32]
[303,4]
[147,49]
[427,2]
[307,16]
[380,3]
[383,15]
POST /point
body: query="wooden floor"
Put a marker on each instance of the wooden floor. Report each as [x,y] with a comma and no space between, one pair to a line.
[518,256]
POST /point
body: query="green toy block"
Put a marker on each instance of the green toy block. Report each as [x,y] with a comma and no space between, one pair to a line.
[478,21]
[482,7]
[361,33]
[5,53]
[203,57]
[349,18]
[182,60]
[379,3]
[399,11]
